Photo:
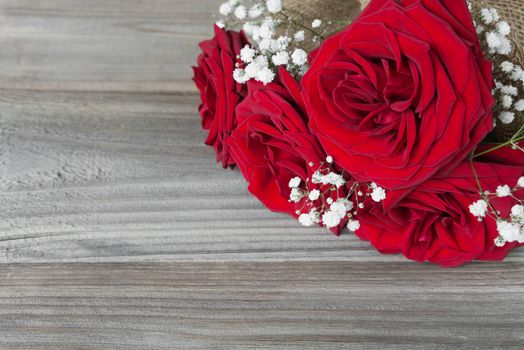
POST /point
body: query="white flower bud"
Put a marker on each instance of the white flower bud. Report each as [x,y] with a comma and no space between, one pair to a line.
[299,57]
[295,182]
[241,12]
[507,117]
[503,191]
[300,36]
[316,23]
[247,54]
[479,208]
[280,58]
[274,6]
[353,225]
[225,9]
[314,195]
[378,194]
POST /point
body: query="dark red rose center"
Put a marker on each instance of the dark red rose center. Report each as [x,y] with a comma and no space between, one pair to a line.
[378,97]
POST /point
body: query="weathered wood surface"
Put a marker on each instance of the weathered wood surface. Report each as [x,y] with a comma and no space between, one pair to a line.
[119,231]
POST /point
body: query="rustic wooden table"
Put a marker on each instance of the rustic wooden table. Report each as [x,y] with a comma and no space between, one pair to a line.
[119,231]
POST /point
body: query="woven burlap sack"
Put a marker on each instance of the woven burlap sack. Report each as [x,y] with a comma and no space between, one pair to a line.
[339,12]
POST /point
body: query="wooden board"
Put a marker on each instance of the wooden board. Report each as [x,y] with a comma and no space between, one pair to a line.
[119,231]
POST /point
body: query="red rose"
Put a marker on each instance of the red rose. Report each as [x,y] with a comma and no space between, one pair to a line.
[272,143]
[433,223]
[401,94]
[219,92]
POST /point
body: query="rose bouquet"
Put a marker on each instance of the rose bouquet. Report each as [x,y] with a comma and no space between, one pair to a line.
[403,122]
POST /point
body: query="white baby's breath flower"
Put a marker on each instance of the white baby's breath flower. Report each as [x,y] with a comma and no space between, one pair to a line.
[517,73]
[506,66]
[519,105]
[264,44]
[254,68]
[299,36]
[353,225]
[499,242]
[330,219]
[493,40]
[520,183]
[314,195]
[247,54]
[265,75]
[494,14]
[505,46]
[506,101]
[280,58]
[251,70]
[479,208]
[329,159]
[503,28]
[225,9]
[316,23]
[378,194]
[248,27]
[279,44]
[333,179]
[261,61]
[255,11]
[274,6]
[310,218]
[480,29]
[317,177]
[341,207]
[263,33]
[508,90]
[507,117]
[486,15]
[240,76]
[306,220]
[295,195]
[299,57]
[295,182]
[517,212]
[220,24]
[503,191]
[241,12]
[510,231]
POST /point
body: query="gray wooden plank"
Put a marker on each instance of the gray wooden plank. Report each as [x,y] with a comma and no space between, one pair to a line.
[286,305]
[126,177]
[131,45]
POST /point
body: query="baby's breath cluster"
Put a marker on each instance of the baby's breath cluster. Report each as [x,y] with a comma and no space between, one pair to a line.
[510,229]
[508,73]
[494,34]
[278,38]
[328,199]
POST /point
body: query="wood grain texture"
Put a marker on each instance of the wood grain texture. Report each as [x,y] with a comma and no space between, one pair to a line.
[286,305]
[108,45]
[119,231]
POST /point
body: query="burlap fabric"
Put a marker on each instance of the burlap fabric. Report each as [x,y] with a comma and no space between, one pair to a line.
[339,12]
